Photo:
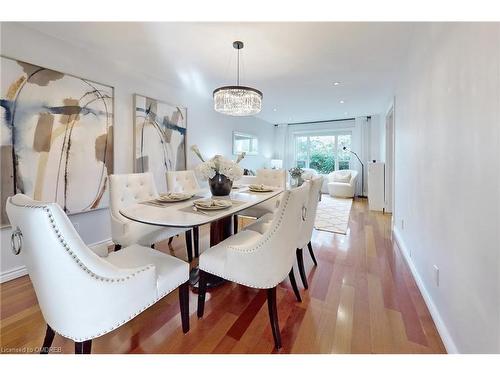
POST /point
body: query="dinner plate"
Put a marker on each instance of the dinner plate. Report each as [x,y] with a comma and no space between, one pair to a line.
[265,189]
[226,203]
[175,198]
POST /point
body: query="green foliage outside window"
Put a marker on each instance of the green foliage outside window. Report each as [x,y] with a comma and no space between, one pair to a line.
[320,152]
[322,161]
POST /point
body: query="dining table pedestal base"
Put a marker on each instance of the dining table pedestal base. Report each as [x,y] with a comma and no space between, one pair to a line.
[219,231]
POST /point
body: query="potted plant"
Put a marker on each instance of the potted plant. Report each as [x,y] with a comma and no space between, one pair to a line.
[219,171]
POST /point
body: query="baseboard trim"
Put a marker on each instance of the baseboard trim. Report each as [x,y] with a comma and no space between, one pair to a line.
[448,342]
[13,273]
[16,272]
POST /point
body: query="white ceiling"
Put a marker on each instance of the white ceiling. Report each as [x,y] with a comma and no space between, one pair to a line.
[293,64]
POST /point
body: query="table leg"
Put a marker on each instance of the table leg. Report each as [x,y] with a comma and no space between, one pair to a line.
[219,231]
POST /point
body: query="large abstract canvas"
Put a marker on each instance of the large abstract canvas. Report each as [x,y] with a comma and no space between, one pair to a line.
[56,137]
[160,138]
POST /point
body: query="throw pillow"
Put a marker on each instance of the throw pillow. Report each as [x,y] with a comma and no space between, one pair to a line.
[342,176]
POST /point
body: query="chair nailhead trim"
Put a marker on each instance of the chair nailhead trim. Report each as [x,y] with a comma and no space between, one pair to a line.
[95,276]
[269,233]
[118,324]
[71,253]
[261,243]
[239,282]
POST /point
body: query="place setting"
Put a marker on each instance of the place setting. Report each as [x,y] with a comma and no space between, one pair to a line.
[166,199]
[210,206]
[260,188]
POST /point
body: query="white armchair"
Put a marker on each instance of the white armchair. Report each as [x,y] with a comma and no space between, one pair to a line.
[269,177]
[342,183]
[125,190]
[260,260]
[83,296]
[185,182]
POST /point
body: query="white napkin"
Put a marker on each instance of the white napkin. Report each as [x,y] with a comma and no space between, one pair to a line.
[175,195]
[257,186]
[207,203]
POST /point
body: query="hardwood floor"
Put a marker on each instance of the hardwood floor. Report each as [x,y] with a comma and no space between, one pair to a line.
[361,299]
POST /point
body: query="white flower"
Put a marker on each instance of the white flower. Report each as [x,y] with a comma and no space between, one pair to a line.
[241,157]
[206,170]
[230,169]
[221,165]
[196,150]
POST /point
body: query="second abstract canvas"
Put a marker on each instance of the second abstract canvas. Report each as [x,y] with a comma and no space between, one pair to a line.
[159,138]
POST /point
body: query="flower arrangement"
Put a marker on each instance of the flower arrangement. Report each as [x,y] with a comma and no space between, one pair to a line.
[296,174]
[208,169]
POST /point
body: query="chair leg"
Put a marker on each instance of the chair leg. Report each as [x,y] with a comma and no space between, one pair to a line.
[189,245]
[47,342]
[273,316]
[184,305]
[309,246]
[170,241]
[152,245]
[118,247]
[196,238]
[291,276]
[235,224]
[302,271]
[202,290]
[84,347]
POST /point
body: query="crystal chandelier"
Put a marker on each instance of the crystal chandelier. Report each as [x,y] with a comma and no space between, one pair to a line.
[237,100]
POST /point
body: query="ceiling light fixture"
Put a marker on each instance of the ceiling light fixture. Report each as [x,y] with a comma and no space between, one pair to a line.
[341,102]
[274,109]
[237,100]
[336,83]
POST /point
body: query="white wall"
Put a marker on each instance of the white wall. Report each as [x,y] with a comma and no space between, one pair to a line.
[211,131]
[447,184]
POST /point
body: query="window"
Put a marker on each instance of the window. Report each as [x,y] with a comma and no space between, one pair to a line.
[322,152]
[343,140]
[245,143]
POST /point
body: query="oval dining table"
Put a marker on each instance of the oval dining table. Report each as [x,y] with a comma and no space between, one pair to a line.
[185,215]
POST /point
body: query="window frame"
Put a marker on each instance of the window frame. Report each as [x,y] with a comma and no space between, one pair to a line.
[316,133]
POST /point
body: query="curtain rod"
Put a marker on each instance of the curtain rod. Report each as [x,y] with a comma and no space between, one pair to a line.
[322,121]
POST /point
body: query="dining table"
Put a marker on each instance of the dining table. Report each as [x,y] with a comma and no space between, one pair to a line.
[185,214]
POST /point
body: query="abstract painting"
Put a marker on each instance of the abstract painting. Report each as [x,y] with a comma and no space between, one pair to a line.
[56,137]
[160,138]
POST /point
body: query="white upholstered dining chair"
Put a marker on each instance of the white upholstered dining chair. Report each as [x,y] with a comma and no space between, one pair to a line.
[262,225]
[128,189]
[83,296]
[308,227]
[185,182]
[260,260]
[270,177]
[182,182]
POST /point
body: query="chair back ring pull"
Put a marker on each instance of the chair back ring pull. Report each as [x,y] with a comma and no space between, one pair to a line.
[16,241]
[304,213]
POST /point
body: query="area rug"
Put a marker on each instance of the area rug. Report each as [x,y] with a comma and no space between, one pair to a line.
[333,214]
